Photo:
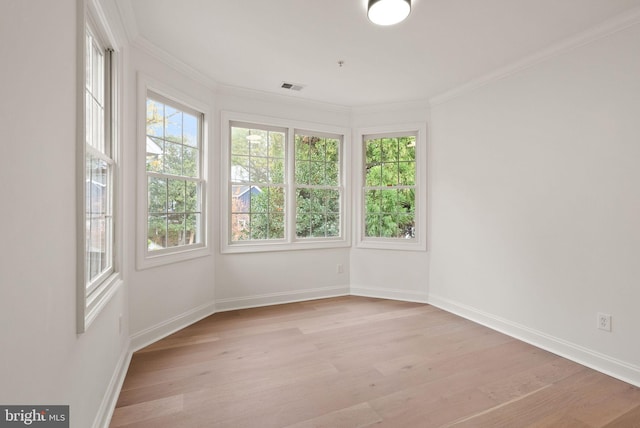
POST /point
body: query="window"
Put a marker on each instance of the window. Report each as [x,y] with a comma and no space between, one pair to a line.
[174,208]
[285,187]
[391,186]
[257,183]
[317,183]
[97,273]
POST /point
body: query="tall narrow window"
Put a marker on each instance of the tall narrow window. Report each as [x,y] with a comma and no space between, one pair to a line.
[257,183]
[173,141]
[318,185]
[392,188]
[96,196]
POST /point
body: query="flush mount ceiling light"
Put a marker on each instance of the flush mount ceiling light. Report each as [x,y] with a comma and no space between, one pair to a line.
[388,12]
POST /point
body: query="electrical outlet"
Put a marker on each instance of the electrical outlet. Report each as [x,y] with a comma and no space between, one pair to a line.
[604,321]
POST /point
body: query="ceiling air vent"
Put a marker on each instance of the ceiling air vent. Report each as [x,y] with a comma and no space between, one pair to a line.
[291,86]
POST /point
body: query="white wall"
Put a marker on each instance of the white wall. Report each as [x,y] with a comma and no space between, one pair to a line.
[535,202]
[42,359]
[386,273]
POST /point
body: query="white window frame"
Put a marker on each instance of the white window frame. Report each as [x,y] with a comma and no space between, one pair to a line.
[146,259]
[290,241]
[419,243]
[93,296]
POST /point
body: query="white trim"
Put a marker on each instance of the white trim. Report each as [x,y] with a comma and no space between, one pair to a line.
[259,300]
[390,293]
[289,242]
[600,362]
[600,31]
[420,241]
[163,329]
[178,254]
[110,398]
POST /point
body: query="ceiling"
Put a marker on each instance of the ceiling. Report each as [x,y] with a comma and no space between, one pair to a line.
[258,44]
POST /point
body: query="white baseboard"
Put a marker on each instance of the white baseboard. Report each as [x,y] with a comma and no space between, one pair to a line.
[603,363]
[108,405]
[280,298]
[390,293]
[154,333]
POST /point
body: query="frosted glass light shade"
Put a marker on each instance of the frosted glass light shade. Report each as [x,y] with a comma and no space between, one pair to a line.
[388,12]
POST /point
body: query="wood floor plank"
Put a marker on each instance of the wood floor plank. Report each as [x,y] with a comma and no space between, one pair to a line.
[352,361]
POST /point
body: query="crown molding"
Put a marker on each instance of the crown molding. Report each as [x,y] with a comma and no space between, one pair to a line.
[600,31]
[171,61]
[128,19]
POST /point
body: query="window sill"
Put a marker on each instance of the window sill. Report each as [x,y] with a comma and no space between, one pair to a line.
[254,247]
[147,261]
[392,244]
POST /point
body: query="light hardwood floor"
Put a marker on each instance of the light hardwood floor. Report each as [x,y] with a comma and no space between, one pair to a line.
[358,362]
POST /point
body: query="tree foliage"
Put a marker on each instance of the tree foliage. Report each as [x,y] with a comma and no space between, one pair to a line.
[389,187]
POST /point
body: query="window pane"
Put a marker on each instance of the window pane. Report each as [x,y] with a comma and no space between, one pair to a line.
[332,201]
[157,232]
[407,149]
[259,170]
[406,201]
[316,173]
[176,230]
[173,158]
[258,227]
[389,149]
[190,130]
[240,227]
[332,174]
[373,174]
[240,169]
[372,151]
[239,142]
[302,147]
[191,204]
[407,173]
[189,162]
[333,225]
[406,226]
[192,229]
[155,150]
[316,149]
[332,150]
[176,196]
[172,124]
[372,201]
[302,172]
[276,171]
[388,201]
[157,194]
[389,174]
[372,225]
[155,118]
[258,200]
[276,145]
[241,198]
[276,226]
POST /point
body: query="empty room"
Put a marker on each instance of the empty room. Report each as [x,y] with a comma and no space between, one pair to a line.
[335,213]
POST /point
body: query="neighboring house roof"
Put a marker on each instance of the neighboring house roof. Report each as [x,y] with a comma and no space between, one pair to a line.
[241,190]
[153,147]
